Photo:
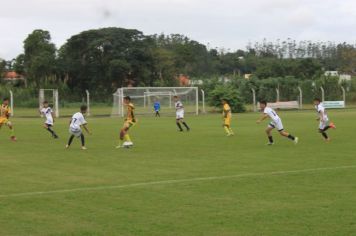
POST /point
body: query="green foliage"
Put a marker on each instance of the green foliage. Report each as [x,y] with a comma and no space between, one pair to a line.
[229,93]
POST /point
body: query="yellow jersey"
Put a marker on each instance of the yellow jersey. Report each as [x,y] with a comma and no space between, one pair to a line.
[5,111]
[130,116]
[226,111]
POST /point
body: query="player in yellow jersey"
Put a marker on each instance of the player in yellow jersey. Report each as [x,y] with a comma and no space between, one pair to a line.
[227,117]
[5,113]
[130,121]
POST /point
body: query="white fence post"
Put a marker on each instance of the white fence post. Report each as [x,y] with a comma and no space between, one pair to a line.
[197,100]
[322,93]
[300,98]
[277,91]
[88,101]
[12,102]
[254,99]
[343,95]
[203,99]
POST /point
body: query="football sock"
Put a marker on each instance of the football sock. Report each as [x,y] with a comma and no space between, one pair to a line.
[70,140]
[227,130]
[324,135]
[179,126]
[82,139]
[270,138]
[326,128]
[127,138]
[157,114]
[291,137]
[12,131]
[50,130]
[186,126]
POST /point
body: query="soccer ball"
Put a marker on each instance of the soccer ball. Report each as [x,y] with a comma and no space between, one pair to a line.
[127,144]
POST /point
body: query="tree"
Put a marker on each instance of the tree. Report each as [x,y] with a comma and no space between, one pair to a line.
[39,59]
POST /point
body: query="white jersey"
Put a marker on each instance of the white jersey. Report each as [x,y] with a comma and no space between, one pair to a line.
[179,106]
[77,121]
[47,112]
[321,109]
[272,114]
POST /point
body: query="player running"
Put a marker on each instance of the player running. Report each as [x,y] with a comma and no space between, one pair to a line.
[75,127]
[323,119]
[180,114]
[5,113]
[157,108]
[227,117]
[130,121]
[275,123]
[47,112]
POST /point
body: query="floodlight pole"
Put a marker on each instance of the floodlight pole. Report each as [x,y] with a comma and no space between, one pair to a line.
[12,102]
[203,99]
[322,93]
[88,102]
[300,98]
[254,99]
[343,95]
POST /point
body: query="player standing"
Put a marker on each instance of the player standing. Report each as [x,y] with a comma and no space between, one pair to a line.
[275,123]
[47,112]
[157,108]
[227,117]
[5,113]
[75,125]
[180,114]
[323,119]
[130,121]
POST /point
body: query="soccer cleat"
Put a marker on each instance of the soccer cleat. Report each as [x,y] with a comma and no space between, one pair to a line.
[296,139]
[55,136]
[13,138]
[270,144]
[84,148]
[332,125]
[67,146]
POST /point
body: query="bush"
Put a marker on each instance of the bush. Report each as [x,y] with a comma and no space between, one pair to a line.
[229,93]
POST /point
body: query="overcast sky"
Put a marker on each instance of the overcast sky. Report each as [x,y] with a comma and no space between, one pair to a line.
[228,24]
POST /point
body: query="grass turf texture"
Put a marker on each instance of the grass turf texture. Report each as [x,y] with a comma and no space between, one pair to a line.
[320,202]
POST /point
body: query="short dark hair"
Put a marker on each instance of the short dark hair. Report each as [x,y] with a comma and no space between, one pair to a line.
[317,99]
[45,102]
[6,99]
[224,99]
[263,102]
[83,108]
[127,98]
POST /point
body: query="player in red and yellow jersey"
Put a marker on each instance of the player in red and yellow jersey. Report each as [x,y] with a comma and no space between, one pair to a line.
[227,117]
[130,121]
[5,113]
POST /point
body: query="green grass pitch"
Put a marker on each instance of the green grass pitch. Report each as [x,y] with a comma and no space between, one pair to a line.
[171,183]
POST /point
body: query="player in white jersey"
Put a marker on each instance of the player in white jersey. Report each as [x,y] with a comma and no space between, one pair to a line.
[75,127]
[323,119]
[276,122]
[47,112]
[180,114]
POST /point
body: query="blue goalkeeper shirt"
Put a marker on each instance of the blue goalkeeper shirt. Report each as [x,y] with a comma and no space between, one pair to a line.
[157,106]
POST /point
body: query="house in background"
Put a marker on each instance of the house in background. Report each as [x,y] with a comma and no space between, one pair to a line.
[12,76]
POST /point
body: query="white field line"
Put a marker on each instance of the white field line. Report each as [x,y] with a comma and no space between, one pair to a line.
[173,181]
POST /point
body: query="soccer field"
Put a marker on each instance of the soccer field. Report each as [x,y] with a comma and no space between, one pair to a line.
[172,183]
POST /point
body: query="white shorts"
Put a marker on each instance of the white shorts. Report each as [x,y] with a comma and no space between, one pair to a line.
[323,124]
[75,132]
[49,122]
[179,115]
[276,124]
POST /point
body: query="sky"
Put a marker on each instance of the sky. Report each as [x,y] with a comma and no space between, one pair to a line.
[228,24]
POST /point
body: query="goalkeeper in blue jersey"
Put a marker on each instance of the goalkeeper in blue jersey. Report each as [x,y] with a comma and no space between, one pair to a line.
[157,108]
